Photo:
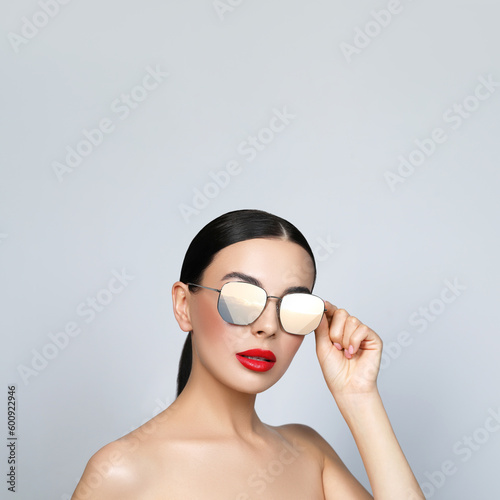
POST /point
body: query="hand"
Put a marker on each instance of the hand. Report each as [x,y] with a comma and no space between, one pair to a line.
[349,353]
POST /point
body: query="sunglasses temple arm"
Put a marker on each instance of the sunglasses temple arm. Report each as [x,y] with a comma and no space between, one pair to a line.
[207,287]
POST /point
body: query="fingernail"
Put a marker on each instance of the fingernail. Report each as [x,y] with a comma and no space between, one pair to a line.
[337,345]
[348,355]
[351,349]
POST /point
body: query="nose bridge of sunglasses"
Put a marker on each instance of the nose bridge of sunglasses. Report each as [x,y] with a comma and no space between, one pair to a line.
[274,305]
[268,300]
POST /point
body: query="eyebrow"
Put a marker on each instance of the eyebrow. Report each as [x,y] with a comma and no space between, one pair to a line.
[254,281]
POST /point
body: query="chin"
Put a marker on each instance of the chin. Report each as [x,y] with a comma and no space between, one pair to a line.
[255,383]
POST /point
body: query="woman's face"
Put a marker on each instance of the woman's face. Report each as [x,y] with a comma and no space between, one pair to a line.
[277,266]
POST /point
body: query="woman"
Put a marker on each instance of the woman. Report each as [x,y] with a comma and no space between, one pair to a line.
[245,297]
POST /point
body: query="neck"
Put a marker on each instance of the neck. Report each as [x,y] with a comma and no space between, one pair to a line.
[215,409]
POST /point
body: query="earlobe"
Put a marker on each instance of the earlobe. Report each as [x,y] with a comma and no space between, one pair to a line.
[180,302]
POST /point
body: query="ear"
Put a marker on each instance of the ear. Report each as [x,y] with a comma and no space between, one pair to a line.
[180,301]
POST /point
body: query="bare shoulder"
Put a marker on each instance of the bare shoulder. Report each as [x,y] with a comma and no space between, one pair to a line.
[111,473]
[306,437]
[118,470]
[338,482]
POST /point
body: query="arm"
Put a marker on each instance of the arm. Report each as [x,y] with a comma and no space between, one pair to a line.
[337,481]
[349,354]
[389,473]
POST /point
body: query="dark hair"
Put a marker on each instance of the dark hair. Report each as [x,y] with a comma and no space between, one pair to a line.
[232,227]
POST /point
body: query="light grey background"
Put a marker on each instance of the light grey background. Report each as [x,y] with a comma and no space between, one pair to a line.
[382,253]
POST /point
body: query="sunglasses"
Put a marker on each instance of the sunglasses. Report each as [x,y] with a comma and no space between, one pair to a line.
[242,303]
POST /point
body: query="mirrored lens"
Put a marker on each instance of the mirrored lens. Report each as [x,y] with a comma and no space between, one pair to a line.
[301,313]
[241,303]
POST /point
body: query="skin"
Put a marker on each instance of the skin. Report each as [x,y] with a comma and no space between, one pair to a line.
[210,443]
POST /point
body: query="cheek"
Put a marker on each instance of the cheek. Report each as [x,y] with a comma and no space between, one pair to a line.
[210,330]
[297,342]
[291,346]
[206,320]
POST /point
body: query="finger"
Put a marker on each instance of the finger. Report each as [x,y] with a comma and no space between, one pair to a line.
[330,309]
[337,326]
[361,338]
[350,325]
[322,332]
[353,336]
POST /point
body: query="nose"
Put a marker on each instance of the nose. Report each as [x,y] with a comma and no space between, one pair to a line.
[268,322]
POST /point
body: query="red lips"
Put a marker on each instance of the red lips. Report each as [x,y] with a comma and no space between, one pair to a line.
[258,360]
